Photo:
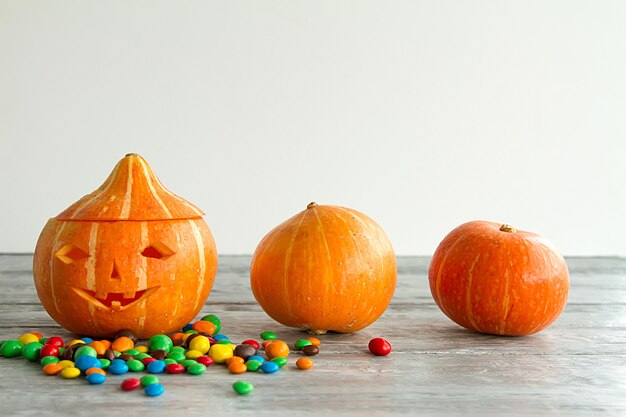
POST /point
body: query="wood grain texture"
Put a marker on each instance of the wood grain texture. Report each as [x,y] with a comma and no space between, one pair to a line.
[575,367]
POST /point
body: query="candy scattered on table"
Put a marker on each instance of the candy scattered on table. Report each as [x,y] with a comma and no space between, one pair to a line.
[379,346]
[192,350]
[243,387]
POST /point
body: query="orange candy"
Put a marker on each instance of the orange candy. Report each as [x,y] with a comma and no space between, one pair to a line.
[106,343]
[98,346]
[95,371]
[52,369]
[276,349]
[237,367]
[204,327]
[265,343]
[122,344]
[178,337]
[234,359]
[304,363]
[314,341]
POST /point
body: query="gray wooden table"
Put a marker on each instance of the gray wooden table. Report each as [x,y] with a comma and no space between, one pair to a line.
[575,367]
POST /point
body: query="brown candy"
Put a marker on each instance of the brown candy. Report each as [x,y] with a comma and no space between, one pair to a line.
[109,354]
[158,354]
[125,357]
[244,351]
[310,350]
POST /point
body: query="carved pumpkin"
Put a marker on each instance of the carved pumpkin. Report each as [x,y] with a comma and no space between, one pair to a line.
[129,256]
[326,268]
[494,279]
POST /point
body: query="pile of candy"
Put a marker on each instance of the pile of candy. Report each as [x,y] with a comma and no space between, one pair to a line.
[196,347]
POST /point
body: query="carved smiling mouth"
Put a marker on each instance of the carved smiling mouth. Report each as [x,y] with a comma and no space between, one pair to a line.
[114,300]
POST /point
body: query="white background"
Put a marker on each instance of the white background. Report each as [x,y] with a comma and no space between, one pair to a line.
[421,114]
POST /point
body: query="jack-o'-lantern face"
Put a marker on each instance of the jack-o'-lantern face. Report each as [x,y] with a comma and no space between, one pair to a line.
[99,276]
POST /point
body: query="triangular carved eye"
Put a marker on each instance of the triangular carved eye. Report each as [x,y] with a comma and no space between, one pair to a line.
[157,251]
[70,253]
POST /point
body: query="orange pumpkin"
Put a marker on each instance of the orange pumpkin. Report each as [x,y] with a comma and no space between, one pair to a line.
[326,268]
[129,256]
[494,279]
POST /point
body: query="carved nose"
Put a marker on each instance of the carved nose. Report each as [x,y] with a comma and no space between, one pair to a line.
[114,273]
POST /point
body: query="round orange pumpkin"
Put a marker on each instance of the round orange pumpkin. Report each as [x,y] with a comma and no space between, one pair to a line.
[326,268]
[129,256]
[491,278]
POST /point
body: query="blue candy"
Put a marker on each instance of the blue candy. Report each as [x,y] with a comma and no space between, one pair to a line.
[153,390]
[156,367]
[269,367]
[256,357]
[87,340]
[118,368]
[220,336]
[96,379]
[187,327]
[85,362]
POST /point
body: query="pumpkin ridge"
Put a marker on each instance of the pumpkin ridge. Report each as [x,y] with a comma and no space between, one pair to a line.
[505,301]
[468,296]
[201,258]
[288,253]
[147,175]
[328,259]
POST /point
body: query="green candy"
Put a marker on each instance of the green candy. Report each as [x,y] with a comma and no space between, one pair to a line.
[178,349]
[132,352]
[48,359]
[105,363]
[191,331]
[243,387]
[188,362]
[215,320]
[253,365]
[142,356]
[61,350]
[280,361]
[302,343]
[196,369]
[135,365]
[267,335]
[176,356]
[148,380]
[223,342]
[169,361]
[85,351]
[31,351]
[11,348]
[160,342]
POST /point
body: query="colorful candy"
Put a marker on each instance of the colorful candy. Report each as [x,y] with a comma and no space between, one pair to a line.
[130,384]
[267,335]
[154,390]
[243,387]
[304,363]
[277,349]
[379,346]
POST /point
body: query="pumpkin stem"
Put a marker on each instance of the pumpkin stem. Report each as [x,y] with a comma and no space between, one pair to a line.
[131,154]
[316,332]
[311,205]
[507,228]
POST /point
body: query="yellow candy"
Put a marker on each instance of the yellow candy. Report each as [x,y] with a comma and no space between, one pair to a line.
[141,349]
[70,373]
[27,338]
[75,341]
[66,364]
[193,354]
[219,353]
[200,343]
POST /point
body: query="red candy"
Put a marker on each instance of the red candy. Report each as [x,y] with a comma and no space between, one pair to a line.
[252,343]
[130,384]
[146,361]
[205,360]
[379,346]
[49,350]
[174,368]
[55,341]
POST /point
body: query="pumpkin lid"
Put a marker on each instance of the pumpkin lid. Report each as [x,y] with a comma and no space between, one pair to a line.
[131,192]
